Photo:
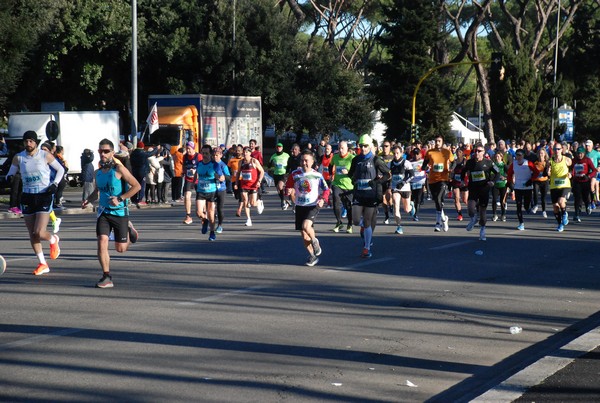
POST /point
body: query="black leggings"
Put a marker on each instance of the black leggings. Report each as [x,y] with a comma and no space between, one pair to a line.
[220,202]
[523,198]
[438,192]
[499,194]
[541,188]
[417,198]
[341,198]
[582,192]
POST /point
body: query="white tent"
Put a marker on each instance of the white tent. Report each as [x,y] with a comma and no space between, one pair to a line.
[462,133]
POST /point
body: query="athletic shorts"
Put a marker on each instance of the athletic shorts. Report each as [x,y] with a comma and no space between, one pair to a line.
[481,195]
[305,213]
[365,202]
[33,203]
[405,194]
[209,197]
[119,224]
[556,194]
[279,178]
[189,187]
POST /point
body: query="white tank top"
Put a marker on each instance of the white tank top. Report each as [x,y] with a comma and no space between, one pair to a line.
[35,171]
[522,175]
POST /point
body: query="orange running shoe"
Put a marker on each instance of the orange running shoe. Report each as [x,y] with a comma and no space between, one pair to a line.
[55,249]
[41,269]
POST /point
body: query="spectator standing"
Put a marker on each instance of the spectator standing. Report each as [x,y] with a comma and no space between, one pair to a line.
[3,146]
[59,155]
[87,173]
[140,168]
[177,182]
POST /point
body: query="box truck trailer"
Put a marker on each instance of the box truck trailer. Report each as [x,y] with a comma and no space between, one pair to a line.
[74,131]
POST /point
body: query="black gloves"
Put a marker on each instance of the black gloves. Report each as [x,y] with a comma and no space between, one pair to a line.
[52,188]
[529,183]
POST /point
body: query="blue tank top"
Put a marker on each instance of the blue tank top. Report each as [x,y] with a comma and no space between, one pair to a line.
[109,185]
[207,176]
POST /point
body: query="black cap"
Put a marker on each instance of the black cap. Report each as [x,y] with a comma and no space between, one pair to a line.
[31,135]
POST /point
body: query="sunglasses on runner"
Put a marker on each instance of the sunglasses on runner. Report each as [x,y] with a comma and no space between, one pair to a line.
[104,151]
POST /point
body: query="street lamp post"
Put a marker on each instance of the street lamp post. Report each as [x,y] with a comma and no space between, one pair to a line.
[134,87]
[554,98]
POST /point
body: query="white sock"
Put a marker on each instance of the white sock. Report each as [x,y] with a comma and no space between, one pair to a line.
[52,239]
[41,257]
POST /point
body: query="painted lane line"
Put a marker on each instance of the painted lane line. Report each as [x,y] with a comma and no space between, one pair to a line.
[218,297]
[38,339]
[451,245]
[367,262]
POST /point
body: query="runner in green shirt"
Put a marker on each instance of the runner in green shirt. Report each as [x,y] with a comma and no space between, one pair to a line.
[277,166]
[342,186]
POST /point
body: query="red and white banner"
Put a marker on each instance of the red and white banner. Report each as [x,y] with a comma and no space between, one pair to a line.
[153,119]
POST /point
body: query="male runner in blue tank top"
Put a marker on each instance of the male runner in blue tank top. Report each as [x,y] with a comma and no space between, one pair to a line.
[113,213]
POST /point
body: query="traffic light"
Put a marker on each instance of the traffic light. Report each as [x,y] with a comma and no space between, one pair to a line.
[414,132]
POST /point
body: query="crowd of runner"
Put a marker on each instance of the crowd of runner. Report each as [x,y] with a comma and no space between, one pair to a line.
[355,181]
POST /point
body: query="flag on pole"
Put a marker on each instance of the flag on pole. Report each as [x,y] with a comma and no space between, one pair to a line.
[153,119]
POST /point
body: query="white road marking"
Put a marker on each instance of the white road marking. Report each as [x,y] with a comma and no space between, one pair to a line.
[38,339]
[217,297]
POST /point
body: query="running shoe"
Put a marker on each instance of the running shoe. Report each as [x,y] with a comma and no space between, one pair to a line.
[212,236]
[471,223]
[534,209]
[445,223]
[438,227]
[386,221]
[544,214]
[219,229]
[503,217]
[482,233]
[188,220]
[349,229]
[495,217]
[344,213]
[15,210]
[248,223]
[105,282]
[133,234]
[316,247]
[593,205]
[41,269]
[416,218]
[204,226]
[521,227]
[312,260]
[565,219]
[577,219]
[459,217]
[560,228]
[413,211]
[399,230]
[56,225]
[260,207]
[366,253]
[588,210]
[338,227]
[55,248]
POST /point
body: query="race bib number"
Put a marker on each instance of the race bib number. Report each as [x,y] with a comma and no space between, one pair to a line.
[190,173]
[397,178]
[438,167]
[246,175]
[457,178]
[478,176]
[279,165]
[416,185]
[559,181]
[579,169]
[339,170]
[100,211]
[363,184]
[325,170]
[203,185]
[302,200]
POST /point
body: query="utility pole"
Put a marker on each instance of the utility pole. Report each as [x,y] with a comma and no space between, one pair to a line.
[554,98]
[134,86]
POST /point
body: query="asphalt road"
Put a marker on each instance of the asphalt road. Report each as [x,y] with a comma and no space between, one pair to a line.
[242,319]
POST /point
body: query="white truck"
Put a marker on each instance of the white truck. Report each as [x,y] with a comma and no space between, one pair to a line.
[76,131]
